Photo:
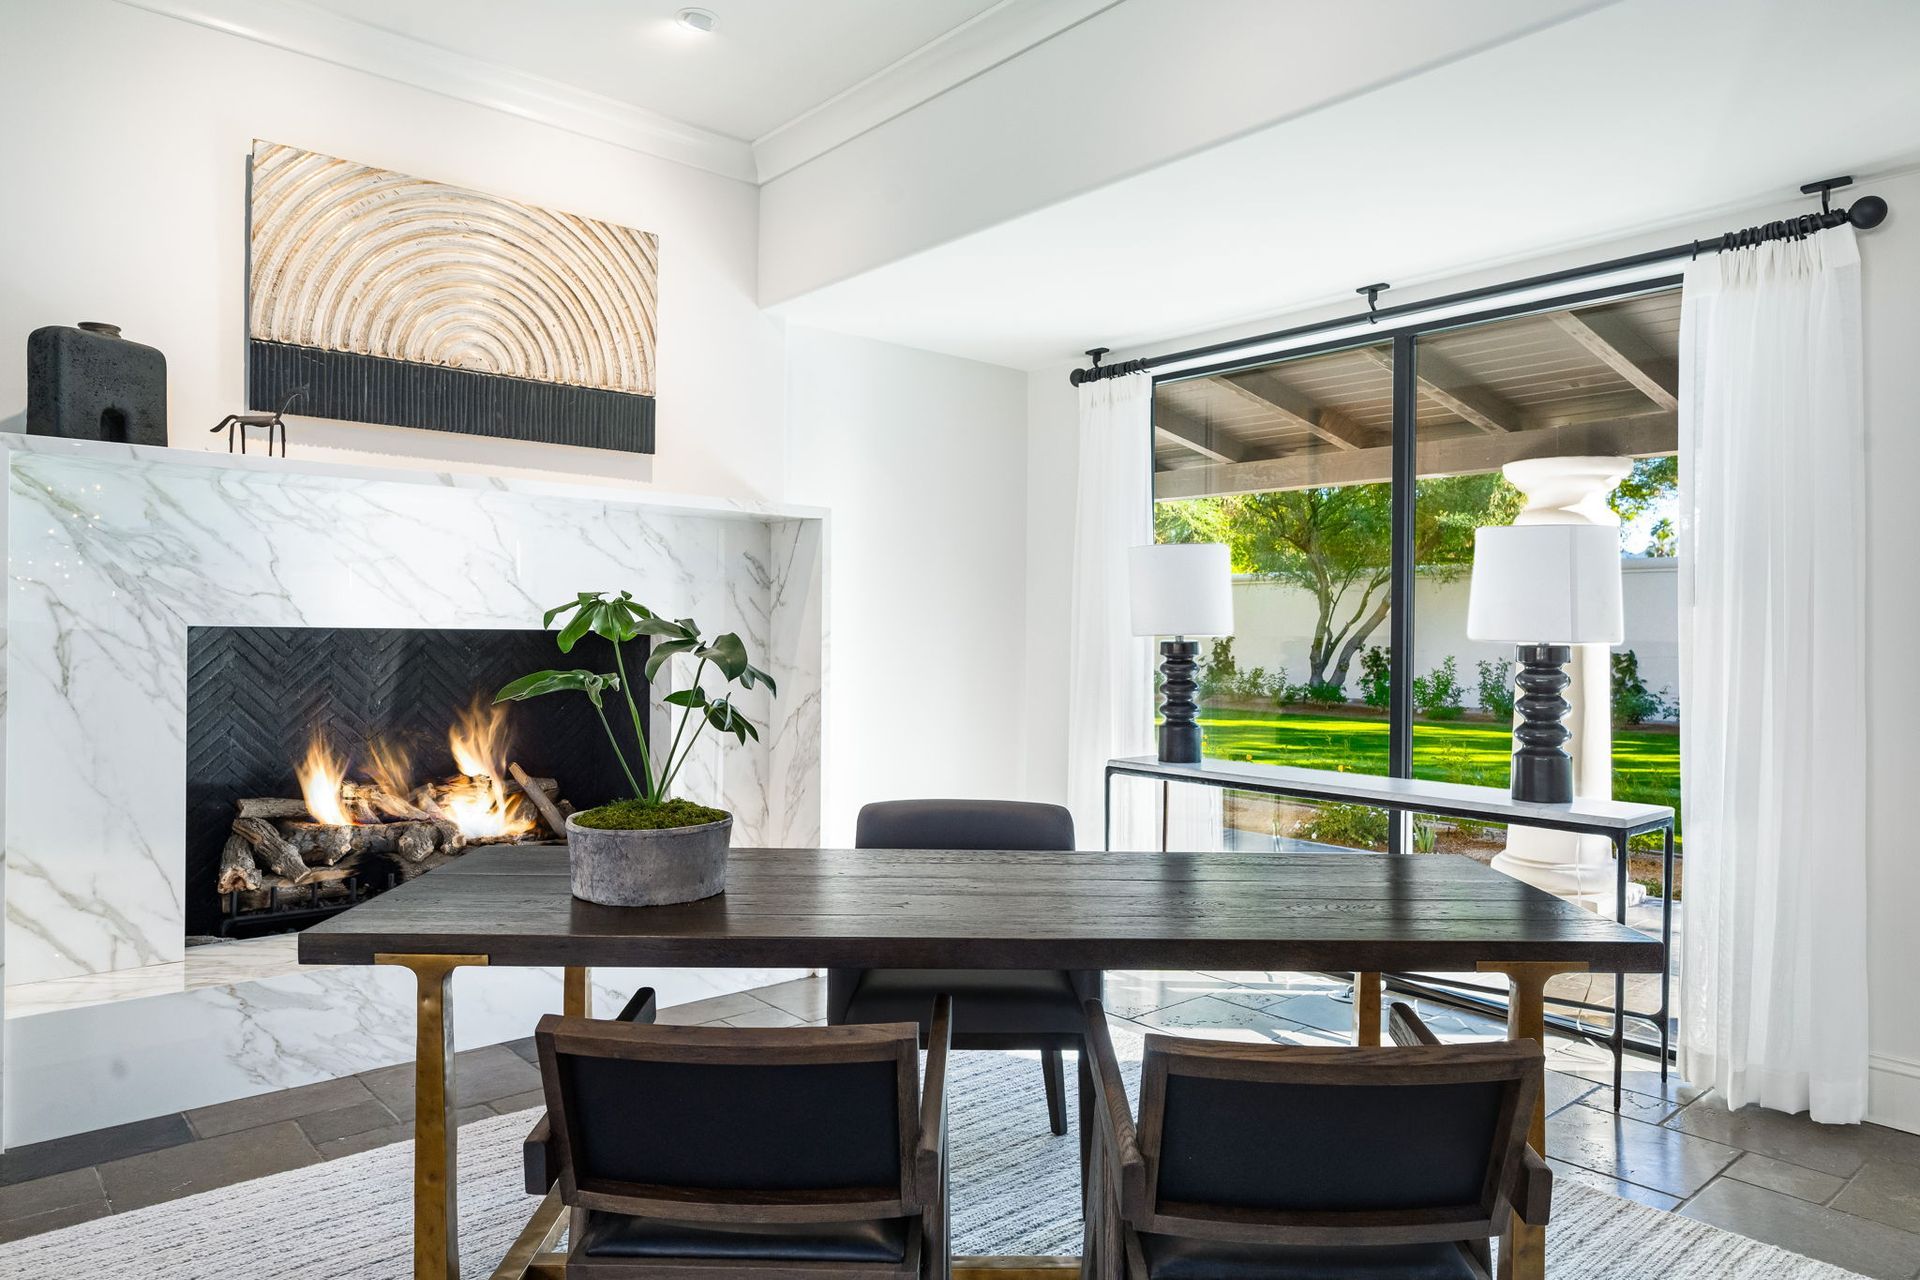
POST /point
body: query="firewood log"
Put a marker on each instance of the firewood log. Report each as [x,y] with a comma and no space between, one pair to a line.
[273,852]
[381,801]
[542,799]
[411,840]
[237,867]
[268,807]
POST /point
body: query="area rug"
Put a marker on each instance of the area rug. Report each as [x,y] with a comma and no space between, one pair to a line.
[1014,1192]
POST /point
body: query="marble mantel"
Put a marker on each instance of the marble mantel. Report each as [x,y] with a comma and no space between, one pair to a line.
[113,551]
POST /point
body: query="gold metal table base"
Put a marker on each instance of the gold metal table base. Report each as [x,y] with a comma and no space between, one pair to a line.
[436,1244]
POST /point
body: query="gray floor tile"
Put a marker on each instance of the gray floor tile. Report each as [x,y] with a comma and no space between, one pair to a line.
[1788,1179]
[1564,1090]
[1612,1186]
[479,1076]
[1642,1079]
[282,1104]
[1870,1248]
[344,1121]
[1885,1192]
[805,998]
[518,1102]
[526,1049]
[1218,1019]
[52,1220]
[1833,1149]
[42,1195]
[43,1159]
[713,1008]
[765,1016]
[1644,1154]
[1327,1012]
[354,1143]
[201,1166]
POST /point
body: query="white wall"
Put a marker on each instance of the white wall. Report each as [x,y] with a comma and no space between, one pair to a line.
[921,459]
[125,143]
[1273,627]
[1891,257]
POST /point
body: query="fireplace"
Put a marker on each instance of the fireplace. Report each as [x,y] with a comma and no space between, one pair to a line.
[327,764]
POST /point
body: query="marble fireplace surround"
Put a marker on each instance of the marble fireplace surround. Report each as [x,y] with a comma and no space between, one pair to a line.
[113,551]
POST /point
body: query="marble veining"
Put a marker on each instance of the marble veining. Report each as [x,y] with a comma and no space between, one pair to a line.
[114,551]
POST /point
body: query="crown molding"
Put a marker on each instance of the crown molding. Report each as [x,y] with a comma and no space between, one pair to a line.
[303,29]
[976,46]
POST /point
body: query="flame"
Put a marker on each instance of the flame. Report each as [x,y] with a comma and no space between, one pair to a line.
[390,768]
[480,805]
[321,775]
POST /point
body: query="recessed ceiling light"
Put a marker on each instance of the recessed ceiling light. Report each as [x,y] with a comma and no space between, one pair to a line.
[700,20]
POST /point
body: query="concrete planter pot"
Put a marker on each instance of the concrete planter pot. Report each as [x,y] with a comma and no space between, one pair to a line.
[648,868]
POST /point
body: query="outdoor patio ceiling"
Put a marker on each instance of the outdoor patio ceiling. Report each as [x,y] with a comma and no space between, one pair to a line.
[1598,380]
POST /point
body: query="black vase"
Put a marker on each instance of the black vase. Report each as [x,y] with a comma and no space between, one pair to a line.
[89,383]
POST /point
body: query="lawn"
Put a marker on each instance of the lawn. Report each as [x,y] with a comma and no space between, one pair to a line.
[1646,763]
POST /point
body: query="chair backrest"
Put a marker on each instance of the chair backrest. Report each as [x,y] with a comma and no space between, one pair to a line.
[1324,1145]
[963,824]
[791,1124]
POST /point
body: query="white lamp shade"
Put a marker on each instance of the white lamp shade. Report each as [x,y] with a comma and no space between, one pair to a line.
[1546,584]
[1181,589]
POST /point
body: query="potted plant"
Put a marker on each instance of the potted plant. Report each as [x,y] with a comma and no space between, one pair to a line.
[650,849]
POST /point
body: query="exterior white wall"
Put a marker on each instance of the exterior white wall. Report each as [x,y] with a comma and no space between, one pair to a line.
[125,153]
[1891,263]
[1273,627]
[920,457]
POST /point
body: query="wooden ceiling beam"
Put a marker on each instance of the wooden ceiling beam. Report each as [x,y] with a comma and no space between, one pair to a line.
[1264,389]
[1209,441]
[1636,437]
[1454,391]
[1614,343]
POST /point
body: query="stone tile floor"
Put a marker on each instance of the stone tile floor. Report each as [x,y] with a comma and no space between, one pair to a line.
[1849,1195]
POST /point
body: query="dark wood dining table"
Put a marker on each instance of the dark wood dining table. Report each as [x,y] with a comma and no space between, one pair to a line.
[896,908]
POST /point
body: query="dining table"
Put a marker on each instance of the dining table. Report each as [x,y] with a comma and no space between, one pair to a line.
[1356,913]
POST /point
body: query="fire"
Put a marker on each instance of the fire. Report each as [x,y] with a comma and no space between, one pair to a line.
[322,774]
[480,805]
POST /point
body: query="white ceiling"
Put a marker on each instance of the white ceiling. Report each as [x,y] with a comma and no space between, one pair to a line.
[1638,115]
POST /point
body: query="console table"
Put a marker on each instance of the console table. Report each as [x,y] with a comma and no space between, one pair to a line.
[938,909]
[1617,820]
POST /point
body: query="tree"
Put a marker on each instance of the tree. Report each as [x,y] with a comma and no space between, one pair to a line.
[1338,544]
[1651,482]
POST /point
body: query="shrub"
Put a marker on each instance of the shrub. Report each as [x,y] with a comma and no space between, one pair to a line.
[1376,678]
[1353,826]
[1323,693]
[1217,673]
[1496,688]
[1251,684]
[1633,702]
[1426,834]
[1437,694]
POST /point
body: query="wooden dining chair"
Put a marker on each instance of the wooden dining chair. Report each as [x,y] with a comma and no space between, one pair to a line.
[727,1153]
[1007,1009]
[1282,1162]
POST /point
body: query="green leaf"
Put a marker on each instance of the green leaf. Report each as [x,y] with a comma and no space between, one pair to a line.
[653,625]
[694,697]
[754,675]
[578,626]
[664,650]
[609,623]
[542,682]
[727,653]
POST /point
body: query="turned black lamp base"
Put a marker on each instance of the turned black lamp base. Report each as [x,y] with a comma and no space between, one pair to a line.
[1542,770]
[1179,727]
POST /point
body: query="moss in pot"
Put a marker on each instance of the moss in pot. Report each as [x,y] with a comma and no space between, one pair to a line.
[652,848]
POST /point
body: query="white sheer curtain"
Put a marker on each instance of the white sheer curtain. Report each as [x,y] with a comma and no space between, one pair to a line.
[1772,444]
[1110,670]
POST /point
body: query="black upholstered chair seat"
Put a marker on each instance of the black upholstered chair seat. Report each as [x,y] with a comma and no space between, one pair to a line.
[1001,1001]
[1184,1258]
[616,1235]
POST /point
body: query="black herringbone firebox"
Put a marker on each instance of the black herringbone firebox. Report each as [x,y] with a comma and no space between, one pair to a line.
[257,697]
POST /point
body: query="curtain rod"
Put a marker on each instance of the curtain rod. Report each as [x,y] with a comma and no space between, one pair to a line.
[1865,213]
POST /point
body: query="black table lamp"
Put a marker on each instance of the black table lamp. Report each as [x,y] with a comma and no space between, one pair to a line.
[1180,589]
[1545,588]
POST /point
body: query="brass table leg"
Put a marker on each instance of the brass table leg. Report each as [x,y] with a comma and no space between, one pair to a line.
[1366,1008]
[576,999]
[436,1164]
[1523,1249]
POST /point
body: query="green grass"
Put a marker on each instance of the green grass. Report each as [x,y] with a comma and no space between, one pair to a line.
[1646,765]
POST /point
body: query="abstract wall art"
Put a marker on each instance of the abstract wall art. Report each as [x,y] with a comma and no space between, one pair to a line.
[388,299]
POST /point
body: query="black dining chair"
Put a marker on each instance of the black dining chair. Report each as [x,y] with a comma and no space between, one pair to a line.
[1283,1162]
[732,1152]
[1019,1009]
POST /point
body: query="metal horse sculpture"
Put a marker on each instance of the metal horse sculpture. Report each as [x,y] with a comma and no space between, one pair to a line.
[239,422]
